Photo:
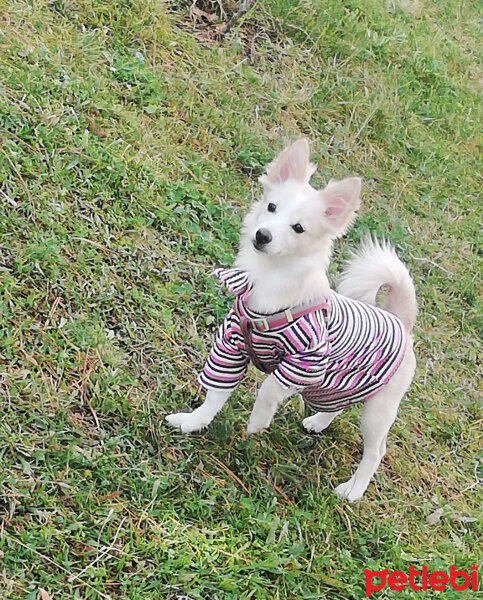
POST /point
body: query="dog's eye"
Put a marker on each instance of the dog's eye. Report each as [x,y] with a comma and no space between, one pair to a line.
[271,207]
[298,228]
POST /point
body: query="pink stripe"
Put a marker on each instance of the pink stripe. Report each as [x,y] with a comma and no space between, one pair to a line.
[209,373]
[376,367]
[377,355]
[340,375]
[289,377]
[304,326]
[220,362]
[305,364]
[349,357]
[226,350]
[233,329]
[356,380]
[294,341]
[396,365]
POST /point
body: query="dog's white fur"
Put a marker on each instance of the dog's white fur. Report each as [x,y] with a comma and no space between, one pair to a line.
[292,269]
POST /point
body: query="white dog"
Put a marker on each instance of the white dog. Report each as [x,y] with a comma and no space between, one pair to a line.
[333,348]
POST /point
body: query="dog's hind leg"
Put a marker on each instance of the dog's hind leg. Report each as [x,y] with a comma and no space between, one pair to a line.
[378,415]
[320,421]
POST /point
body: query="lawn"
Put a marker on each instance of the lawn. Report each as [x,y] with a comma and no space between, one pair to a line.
[131,143]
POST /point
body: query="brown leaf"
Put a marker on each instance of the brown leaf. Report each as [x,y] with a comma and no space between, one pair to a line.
[197,14]
[94,126]
[110,496]
[44,595]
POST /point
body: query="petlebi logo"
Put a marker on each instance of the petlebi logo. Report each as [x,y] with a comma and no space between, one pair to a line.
[421,580]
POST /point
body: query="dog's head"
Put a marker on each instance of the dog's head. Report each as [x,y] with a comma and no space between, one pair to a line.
[292,218]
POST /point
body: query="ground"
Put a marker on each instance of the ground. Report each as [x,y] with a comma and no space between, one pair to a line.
[131,143]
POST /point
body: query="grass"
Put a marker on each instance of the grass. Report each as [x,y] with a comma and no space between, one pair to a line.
[129,150]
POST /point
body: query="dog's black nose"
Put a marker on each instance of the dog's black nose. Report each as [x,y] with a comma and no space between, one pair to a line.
[263,237]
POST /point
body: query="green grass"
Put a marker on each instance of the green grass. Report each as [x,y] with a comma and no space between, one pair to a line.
[129,151]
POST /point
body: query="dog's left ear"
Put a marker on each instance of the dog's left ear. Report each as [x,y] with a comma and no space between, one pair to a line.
[341,199]
[292,163]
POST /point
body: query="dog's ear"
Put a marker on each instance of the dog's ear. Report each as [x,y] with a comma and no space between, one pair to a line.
[341,199]
[292,163]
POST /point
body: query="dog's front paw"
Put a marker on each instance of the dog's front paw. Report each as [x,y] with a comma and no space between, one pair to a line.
[256,425]
[186,422]
[317,423]
[350,490]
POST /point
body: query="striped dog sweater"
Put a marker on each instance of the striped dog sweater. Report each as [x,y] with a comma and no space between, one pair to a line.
[340,353]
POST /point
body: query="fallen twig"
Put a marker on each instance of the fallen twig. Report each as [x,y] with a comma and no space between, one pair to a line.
[244,7]
[231,474]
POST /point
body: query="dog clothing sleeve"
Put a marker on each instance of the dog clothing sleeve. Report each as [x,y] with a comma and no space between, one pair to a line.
[227,362]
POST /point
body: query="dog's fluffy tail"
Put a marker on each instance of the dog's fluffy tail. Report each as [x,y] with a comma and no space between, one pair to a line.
[374,264]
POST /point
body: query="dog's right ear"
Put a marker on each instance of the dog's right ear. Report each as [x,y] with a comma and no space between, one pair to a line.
[292,163]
